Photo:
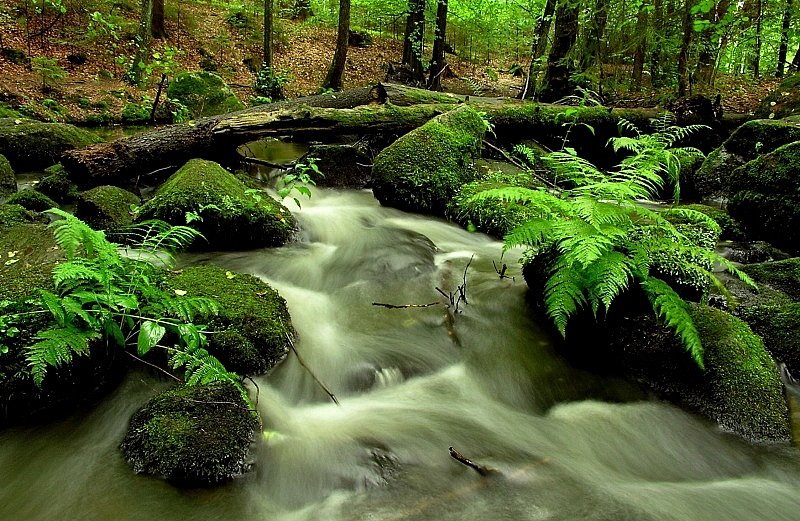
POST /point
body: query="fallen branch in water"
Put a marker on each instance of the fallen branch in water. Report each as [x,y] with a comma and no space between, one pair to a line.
[483,470]
[263,162]
[405,306]
[305,366]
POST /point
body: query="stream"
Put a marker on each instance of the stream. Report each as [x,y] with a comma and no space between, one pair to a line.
[569,445]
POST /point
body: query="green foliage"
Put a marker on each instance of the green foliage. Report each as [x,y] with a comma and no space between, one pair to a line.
[298,180]
[596,241]
[99,294]
[269,82]
[48,71]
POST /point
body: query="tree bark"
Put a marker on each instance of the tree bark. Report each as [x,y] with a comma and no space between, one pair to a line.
[412,42]
[658,38]
[538,46]
[795,66]
[641,49]
[267,47]
[783,49]
[683,55]
[438,62]
[158,30]
[334,78]
[757,49]
[594,42]
[557,77]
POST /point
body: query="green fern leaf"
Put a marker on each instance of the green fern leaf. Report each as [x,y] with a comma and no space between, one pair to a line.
[674,311]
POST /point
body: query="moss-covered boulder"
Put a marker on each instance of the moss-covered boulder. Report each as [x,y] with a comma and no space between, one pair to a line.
[8,181]
[57,185]
[250,331]
[32,200]
[783,101]
[342,166]
[778,325]
[782,275]
[233,216]
[424,169]
[11,214]
[729,228]
[745,144]
[766,197]
[196,435]
[32,145]
[106,208]
[204,93]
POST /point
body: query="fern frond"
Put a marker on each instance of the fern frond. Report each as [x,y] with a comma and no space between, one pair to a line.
[609,276]
[533,234]
[56,347]
[674,311]
[563,294]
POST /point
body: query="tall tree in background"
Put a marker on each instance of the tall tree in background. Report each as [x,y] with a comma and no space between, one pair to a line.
[267,51]
[595,44]
[557,77]
[641,47]
[438,63]
[538,46]
[657,41]
[334,78]
[412,42]
[687,28]
[758,13]
[157,29]
[783,49]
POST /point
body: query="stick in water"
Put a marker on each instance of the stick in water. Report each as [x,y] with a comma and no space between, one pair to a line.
[483,470]
[305,366]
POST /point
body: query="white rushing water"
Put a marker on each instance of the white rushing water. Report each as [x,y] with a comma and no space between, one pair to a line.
[569,445]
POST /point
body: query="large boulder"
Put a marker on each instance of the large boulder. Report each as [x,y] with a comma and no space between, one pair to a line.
[8,181]
[106,208]
[204,94]
[232,216]
[782,102]
[745,144]
[198,435]
[252,329]
[766,197]
[730,229]
[32,145]
[424,169]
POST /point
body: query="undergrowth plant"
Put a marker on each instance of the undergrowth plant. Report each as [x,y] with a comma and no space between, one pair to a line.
[596,240]
[103,292]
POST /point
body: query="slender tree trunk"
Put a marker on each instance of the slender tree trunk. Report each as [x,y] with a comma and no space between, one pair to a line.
[539,45]
[157,29]
[142,42]
[334,78]
[705,56]
[438,62]
[783,49]
[267,58]
[683,55]
[757,49]
[641,48]
[658,38]
[557,77]
[795,66]
[412,42]
[597,29]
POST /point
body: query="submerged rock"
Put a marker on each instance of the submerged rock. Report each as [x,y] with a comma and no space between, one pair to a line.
[250,331]
[197,435]
[204,93]
[424,169]
[106,208]
[233,216]
[8,181]
[32,145]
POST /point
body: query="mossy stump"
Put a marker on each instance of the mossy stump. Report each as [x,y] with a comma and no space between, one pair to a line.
[106,208]
[197,435]
[232,216]
[424,169]
[250,331]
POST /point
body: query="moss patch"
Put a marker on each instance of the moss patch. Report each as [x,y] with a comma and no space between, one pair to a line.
[8,182]
[106,208]
[31,145]
[232,216]
[57,185]
[11,214]
[783,101]
[250,330]
[783,275]
[730,229]
[779,327]
[204,93]
[424,169]
[32,200]
[192,435]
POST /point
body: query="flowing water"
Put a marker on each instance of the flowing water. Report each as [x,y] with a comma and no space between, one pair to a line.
[411,382]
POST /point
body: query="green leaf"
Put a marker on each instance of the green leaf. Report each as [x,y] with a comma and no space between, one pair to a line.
[150,334]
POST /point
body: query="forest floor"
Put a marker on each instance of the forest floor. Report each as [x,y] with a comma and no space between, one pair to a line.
[302,49]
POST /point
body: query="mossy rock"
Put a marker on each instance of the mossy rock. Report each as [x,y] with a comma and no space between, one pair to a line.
[778,325]
[31,145]
[8,181]
[729,228]
[233,217]
[57,185]
[783,101]
[32,200]
[782,275]
[342,166]
[424,169]
[250,330]
[197,435]
[8,112]
[11,214]
[106,208]
[491,216]
[204,93]
[36,253]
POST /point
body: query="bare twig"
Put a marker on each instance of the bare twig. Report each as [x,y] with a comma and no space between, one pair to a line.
[305,366]
[483,470]
[501,272]
[404,306]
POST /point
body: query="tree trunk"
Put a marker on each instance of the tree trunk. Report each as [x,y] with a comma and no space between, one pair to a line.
[267,50]
[413,40]
[641,48]
[557,77]
[795,66]
[757,50]
[334,78]
[538,46]
[683,55]
[706,57]
[783,49]
[438,62]
[142,42]
[594,42]
[658,38]
[157,29]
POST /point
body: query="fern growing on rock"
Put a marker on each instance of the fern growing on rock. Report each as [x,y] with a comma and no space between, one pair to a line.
[105,293]
[595,240]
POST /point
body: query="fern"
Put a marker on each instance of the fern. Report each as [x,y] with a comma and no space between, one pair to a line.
[675,313]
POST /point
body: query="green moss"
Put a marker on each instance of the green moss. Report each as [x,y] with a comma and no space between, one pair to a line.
[783,101]
[11,214]
[783,275]
[106,208]
[250,330]
[730,229]
[135,113]
[742,376]
[32,200]
[8,182]
[424,169]
[8,112]
[34,248]
[779,327]
[31,145]
[192,435]
[232,216]
[57,185]
[204,93]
